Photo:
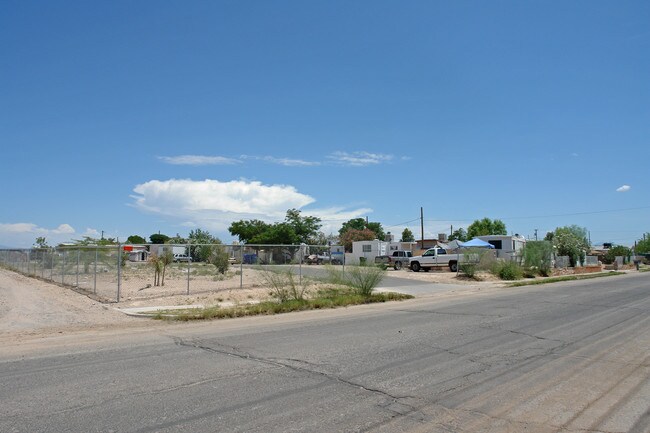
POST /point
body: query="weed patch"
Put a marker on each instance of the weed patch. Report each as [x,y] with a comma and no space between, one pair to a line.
[331,298]
[564,278]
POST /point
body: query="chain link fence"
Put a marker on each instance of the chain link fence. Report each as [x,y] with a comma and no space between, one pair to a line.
[117,273]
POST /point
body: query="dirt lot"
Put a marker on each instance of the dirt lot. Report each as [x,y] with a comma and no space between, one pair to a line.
[32,306]
[36,314]
[206,287]
[32,310]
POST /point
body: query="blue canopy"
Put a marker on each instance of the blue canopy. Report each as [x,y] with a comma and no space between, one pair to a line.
[477,243]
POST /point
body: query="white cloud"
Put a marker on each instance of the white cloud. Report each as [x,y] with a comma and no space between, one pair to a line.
[359,159]
[63,229]
[624,188]
[287,162]
[23,235]
[214,205]
[198,160]
[21,228]
[92,233]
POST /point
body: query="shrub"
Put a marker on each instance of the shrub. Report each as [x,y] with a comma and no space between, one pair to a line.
[537,257]
[285,285]
[469,269]
[508,270]
[362,279]
[219,258]
[476,259]
[618,250]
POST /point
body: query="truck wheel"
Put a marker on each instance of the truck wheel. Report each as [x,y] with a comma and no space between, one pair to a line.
[398,266]
[319,262]
[453,266]
[415,267]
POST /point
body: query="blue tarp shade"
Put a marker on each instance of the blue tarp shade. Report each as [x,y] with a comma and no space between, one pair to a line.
[477,243]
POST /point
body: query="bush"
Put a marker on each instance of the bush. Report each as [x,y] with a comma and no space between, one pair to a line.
[618,250]
[469,269]
[508,270]
[285,285]
[219,258]
[537,258]
[362,279]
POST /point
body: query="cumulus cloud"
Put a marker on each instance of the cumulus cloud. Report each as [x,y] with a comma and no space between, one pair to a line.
[214,205]
[359,159]
[92,233]
[198,160]
[63,229]
[624,188]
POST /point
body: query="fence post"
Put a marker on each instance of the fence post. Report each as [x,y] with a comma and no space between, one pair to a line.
[241,265]
[119,270]
[52,264]
[78,253]
[302,253]
[95,276]
[63,268]
[189,267]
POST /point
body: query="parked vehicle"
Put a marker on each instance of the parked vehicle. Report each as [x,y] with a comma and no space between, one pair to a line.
[397,259]
[182,258]
[319,259]
[435,258]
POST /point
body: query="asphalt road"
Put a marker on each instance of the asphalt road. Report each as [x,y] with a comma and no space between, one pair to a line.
[570,357]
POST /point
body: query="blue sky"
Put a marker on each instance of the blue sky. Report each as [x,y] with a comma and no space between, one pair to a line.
[138,117]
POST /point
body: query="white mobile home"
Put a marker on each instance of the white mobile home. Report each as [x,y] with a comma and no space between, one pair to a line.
[506,247]
[368,250]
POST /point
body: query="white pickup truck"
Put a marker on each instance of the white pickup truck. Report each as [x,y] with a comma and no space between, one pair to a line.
[435,258]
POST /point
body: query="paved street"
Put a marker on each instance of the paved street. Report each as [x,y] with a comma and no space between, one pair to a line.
[570,357]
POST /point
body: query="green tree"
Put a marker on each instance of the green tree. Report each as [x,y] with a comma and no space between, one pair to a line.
[618,250]
[643,245]
[295,229]
[306,228]
[407,235]
[279,234]
[158,239]
[354,235]
[378,229]
[459,235]
[571,241]
[41,242]
[353,224]
[486,226]
[360,224]
[135,239]
[248,230]
[177,240]
[201,242]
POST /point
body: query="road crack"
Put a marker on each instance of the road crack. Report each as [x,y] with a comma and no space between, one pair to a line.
[396,403]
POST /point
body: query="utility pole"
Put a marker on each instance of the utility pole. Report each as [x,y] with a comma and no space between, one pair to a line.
[422,227]
[535,234]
